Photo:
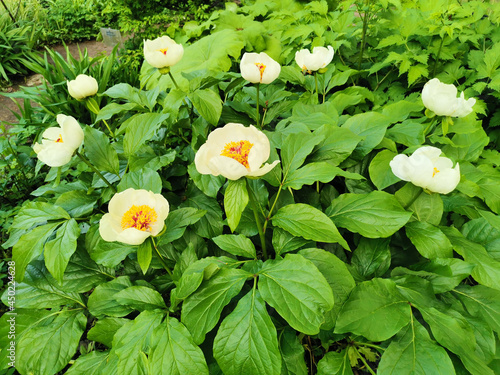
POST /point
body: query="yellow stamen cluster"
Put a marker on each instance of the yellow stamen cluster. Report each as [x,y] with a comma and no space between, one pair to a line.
[238,151]
[139,217]
[261,67]
[435,171]
[163,50]
[59,140]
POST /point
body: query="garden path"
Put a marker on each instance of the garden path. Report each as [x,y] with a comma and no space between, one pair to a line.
[7,105]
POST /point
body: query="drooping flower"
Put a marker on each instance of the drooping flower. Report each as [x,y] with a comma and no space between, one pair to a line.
[162,52]
[441,99]
[319,58]
[259,68]
[133,216]
[82,86]
[59,143]
[427,169]
[234,151]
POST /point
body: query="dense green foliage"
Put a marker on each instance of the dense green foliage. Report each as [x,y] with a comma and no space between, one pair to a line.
[329,263]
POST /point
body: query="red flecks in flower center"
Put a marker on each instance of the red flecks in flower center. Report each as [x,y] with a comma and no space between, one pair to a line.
[164,51]
[59,139]
[139,217]
[238,151]
[261,67]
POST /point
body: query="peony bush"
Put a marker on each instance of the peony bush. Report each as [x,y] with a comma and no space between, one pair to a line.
[292,188]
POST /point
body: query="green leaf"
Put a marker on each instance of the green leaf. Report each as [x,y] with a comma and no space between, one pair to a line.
[104,330]
[177,221]
[236,245]
[284,242]
[338,277]
[141,128]
[320,171]
[292,353]
[89,364]
[99,151]
[375,309]
[144,255]
[30,246]
[146,179]
[400,110]
[428,208]
[467,147]
[429,240]
[335,364]
[415,72]
[140,298]
[298,292]
[208,103]
[308,222]
[371,258]
[59,250]
[246,341]
[380,171]
[491,192]
[408,133]
[373,215]
[34,213]
[207,183]
[112,109]
[481,302]
[40,290]
[173,351]
[109,254]
[235,200]
[201,310]
[295,149]
[211,224]
[46,348]
[102,301]
[337,145]
[412,352]
[77,203]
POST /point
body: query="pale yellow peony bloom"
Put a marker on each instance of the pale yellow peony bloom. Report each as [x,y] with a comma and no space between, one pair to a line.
[441,99]
[259,68]
[234,151]
[162,52]
[319,58]
[427,169]
[82,86]
[133,216]
[59,143]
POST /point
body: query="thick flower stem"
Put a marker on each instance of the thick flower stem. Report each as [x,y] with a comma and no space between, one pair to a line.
[162,261]
[365,19]
[176,86]
[437,56]
[86,161]
[253,202]
[316,83]
[258,111]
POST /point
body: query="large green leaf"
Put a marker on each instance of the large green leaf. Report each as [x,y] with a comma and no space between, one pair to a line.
[140,298]
[202,309]
[371,258]
[306,221]
[481,302]
[173,351]
[89,364]
[292,353]
[235,200]
[145,255]
[295,149]
[375,310]
[298,291]
[177,221]
[429,240]
[207,183]
[104,330]
[78,203]
[36,213]
[412,352]
[246,341]
[208,103]
[99,151]
[146,179]
[102,300]
[108,254]
[334,363]
[141,128]
[46,348]
[59,250]
[236,244]
[337,145]
[427,207]
[380,171]
[319,171]
[373,215]
[211,224]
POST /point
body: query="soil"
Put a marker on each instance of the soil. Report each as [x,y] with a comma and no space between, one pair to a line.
[8,106]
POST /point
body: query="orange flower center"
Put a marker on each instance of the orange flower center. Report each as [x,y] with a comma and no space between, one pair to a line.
[59,139]
[139,217]
[261,67]
[164,51]
[435,171]
[238,151]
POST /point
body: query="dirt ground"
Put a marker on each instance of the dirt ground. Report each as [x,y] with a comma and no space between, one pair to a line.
[7,105]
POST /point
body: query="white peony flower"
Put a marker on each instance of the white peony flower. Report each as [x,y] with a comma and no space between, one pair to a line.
[59,143]
[162,52]
[133,216]
[319,58]
[235,151]
[259,68]
[441,99]
[82,86]
[425,168]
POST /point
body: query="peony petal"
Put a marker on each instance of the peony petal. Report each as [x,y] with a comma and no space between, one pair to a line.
[132,236]
[264,169]
[401,167]
[107,229]
[229,168]
[55,154]
[430,152]
[445,181]
[439,97]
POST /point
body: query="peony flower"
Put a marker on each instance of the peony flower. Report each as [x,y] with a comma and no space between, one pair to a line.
[259,68]
[59,143]
[82,86]
[162,52]
[234,151]
[133,216]
[425,168]
[319,58]
[441,99]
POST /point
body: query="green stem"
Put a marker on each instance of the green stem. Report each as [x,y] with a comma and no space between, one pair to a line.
[364,361]
[58,177]
[94,107]
[429,126]
[176,86]
[363,40]
[368,345]
[162,261]
[258,97]
[253,202]
[86,161]
[272,207]
[316,82]
[437,56]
